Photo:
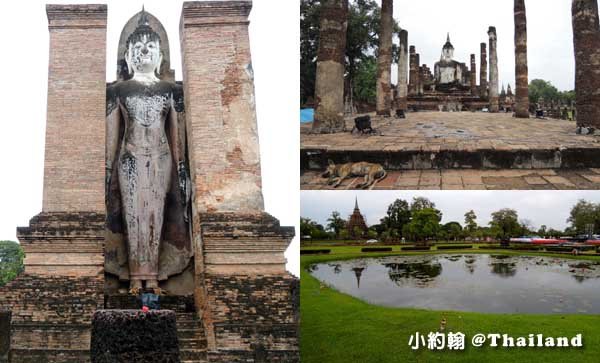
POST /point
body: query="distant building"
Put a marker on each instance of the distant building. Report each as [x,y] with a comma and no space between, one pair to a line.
[355,221]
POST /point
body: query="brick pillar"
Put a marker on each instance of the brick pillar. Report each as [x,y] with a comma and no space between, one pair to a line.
[586,41]
[219,103]
[402,85]
[493,93]
[384,60]
[419,74]
[75,136]
[329,84]
[413,86]
[521,70]
[473,77]
[483,83]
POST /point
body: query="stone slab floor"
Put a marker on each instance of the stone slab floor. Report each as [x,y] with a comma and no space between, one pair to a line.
[469,131]
[560,179]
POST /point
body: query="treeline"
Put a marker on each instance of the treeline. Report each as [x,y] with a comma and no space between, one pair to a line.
[420,221]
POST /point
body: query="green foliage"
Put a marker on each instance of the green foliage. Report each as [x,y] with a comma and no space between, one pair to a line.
[336,224]
[364,81]
[372,234]
[309,39]
[505,223]
[312,229]
[364,18]
[540,88]
[425,224]
[470,221]
[584,214]
[11,261]
[453,230]
[398,215]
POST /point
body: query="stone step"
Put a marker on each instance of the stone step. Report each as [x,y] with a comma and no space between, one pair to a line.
[192,354]
[192,343]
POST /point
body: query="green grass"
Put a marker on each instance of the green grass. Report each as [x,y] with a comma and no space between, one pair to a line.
[336,327]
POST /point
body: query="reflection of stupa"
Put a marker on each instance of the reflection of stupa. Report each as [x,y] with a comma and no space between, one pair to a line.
[358,272]
[356,222]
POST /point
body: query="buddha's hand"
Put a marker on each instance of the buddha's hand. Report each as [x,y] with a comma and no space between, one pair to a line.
[182,174]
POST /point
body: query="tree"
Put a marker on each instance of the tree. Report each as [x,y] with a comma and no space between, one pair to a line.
[372,234]
[420,203]
[543,231]
[336,224]
[453,230]
[309,41]
[584,214]
[505,223]
[425,224]
[470,221]
[398,215]
[11,261]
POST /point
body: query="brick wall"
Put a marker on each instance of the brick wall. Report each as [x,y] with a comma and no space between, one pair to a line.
[75,136]
[219,103]
[254,317]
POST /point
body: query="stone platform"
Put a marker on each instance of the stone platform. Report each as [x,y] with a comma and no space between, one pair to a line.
[456,179]
[459,140]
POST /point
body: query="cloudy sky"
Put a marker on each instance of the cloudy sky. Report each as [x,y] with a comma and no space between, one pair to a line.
[274,39]
[550,37]
[550,208]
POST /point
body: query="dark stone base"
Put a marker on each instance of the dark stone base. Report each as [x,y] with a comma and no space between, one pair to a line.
[134,336]
[259,356]
[570,158]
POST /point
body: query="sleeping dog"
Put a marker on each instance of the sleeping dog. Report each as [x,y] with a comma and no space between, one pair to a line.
[372,173]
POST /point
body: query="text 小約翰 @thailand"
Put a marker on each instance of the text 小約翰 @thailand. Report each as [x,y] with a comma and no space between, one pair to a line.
[458,341]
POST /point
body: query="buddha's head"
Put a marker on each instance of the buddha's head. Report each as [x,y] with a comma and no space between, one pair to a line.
[448,50]
[143,53]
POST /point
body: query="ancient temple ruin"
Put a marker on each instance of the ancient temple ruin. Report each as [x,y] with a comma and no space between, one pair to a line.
[356,226]
[451,86]
[153,185]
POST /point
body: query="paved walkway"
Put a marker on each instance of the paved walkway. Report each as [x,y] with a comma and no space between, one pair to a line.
[545,179]
[462,131]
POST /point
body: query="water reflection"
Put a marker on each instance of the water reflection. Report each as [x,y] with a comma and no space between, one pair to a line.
[486,283]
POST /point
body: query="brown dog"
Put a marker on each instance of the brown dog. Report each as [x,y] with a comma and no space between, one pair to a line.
[373,173]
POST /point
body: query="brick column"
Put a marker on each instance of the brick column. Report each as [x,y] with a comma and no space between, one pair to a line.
[586,39]
[329,83]
[493,91]
[219,103]
[402,85]
[413,85]
[384,60]
[473,76]
[75,135]
[521,70]
[483,83]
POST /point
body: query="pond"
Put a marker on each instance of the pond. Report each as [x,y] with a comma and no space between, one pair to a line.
[481,283]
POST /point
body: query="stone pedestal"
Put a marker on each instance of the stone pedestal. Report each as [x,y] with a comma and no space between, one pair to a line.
[249,303]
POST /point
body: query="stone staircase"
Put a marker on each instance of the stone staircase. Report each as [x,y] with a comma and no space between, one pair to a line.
[190,333]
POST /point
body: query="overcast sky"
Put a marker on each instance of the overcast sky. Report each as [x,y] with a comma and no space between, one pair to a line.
[274,40]
[550,36]
[550,208]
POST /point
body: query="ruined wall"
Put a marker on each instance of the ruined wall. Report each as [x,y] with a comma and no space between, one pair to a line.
[219,103]
[51,316]
[74,154]
[249,302]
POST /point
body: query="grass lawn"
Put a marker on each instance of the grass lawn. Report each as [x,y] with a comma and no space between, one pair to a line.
[336,327]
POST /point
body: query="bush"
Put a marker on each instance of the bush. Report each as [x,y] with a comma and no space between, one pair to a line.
[455,247]
[376,249]
[315,252]
[416,248]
